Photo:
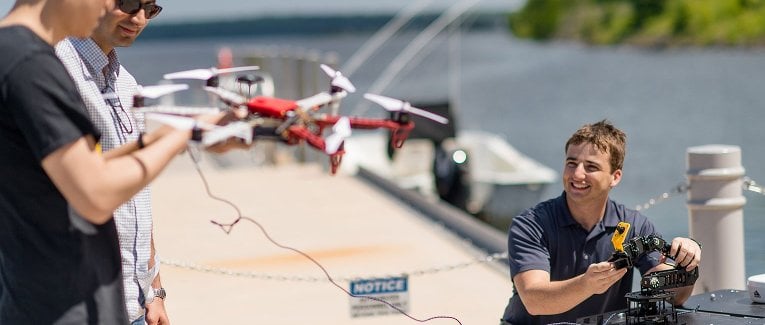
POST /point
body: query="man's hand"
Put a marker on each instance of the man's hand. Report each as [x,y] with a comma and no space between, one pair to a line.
[601,276]
[156,313]
[686,253]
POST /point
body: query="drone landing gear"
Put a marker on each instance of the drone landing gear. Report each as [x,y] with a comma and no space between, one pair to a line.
[651,308]
[334,161]
[398,137]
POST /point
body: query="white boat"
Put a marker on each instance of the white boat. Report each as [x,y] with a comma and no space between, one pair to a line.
[499,182]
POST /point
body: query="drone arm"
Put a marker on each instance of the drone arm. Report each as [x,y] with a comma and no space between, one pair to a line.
[304,134]
[365,123]
[399,131]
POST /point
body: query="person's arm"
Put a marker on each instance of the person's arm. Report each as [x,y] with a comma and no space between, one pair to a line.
[95,186]
[130,147]
[687,253]
[151,137]
[541,296]
[156,314]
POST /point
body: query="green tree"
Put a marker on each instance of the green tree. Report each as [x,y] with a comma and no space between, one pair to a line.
[649,22]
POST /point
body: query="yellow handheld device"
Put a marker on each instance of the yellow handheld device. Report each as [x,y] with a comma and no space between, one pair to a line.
[622,229]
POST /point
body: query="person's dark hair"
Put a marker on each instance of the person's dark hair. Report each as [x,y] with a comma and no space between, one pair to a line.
[606,138]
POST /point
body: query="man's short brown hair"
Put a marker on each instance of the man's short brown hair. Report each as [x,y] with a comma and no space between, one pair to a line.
[606,138]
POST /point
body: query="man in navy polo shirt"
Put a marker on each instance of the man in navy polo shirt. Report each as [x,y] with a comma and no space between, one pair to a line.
[559,248]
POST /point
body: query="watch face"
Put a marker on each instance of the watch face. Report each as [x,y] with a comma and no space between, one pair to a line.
[160,293]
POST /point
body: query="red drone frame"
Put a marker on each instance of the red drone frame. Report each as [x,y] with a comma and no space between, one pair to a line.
[295,121]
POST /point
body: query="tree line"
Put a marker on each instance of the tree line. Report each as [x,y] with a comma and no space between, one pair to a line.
[644,22]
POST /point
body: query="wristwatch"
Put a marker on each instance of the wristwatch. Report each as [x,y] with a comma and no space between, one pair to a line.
[160,293]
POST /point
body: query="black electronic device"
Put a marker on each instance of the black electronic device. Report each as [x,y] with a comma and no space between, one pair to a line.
[653,304]
[636,247]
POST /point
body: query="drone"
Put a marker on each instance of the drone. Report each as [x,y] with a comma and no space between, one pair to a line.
[285,120]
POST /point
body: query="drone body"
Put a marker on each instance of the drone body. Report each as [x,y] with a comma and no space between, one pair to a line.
[271,107]
[298,121]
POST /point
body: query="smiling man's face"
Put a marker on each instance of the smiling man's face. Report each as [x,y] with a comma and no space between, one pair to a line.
[587,175]
[120,29]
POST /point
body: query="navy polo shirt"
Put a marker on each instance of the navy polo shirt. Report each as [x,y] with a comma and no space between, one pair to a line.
[546,237]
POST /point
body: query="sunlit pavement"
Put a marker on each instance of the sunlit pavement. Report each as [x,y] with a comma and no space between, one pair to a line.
[350,227]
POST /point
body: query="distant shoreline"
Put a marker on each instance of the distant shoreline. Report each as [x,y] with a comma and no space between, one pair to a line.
[304,25]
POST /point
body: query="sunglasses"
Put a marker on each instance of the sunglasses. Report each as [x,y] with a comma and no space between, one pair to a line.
[131,7]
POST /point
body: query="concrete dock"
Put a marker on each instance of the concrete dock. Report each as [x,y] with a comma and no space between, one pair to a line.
[351,227]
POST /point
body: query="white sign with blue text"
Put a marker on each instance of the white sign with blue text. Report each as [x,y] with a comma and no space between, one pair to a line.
[393,290]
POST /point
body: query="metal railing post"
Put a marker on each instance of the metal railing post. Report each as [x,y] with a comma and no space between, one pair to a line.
[715,207]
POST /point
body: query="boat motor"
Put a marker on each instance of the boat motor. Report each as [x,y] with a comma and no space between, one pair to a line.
[451,172]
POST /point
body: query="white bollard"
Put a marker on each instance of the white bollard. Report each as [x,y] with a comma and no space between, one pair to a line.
[715,207]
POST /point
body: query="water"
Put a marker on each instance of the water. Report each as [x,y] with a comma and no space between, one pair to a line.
[536,95]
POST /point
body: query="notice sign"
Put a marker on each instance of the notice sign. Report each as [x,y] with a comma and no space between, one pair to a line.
[393,290]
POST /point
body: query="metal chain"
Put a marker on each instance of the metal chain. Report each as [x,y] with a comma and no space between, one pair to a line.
[272,277]
[681,188]
[750,185]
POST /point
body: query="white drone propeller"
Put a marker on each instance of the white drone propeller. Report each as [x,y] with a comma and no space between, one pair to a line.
[395,105]
[177,110]
[315,100]
[228,97]
[213,133]
[159,90]
[340,131]
[239,129]
[204,74]
[338,79]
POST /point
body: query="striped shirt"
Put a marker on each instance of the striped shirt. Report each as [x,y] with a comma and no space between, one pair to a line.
[107,90]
